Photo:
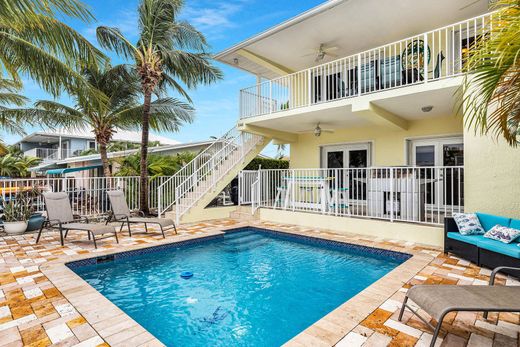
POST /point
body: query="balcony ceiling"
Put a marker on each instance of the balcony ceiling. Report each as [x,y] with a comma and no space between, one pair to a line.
[352,26]
[339,115]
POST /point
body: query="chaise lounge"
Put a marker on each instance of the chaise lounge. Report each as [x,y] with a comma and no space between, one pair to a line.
[439,300]
[61,217]
[121,213]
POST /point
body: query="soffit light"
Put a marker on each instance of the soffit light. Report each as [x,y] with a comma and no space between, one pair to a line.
[427,108]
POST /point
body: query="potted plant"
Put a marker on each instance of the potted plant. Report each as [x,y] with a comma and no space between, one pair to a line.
[17,212]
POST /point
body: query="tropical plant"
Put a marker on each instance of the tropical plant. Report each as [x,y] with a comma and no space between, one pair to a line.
[121,110]
[21,206]
[168,52]
[280,150]
[16,166]
[9,97]
[491,90]
[34,43]
[158,165]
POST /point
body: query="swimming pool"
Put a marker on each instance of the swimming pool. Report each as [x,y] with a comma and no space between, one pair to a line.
[251,287]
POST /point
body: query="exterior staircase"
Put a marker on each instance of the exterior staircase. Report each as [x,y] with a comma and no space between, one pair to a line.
[194,186]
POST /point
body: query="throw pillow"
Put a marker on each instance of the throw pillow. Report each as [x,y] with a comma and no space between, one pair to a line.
[468,224]
[502,234]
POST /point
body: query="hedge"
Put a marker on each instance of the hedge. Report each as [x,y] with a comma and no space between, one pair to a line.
[267,164]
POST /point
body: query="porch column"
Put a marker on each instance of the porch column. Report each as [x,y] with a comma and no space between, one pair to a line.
[59,148]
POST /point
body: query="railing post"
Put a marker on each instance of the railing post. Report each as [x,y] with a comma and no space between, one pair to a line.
[270,96]
[391,194]
[309,86]
[359,74]
[177,217]
[159,202]
[259,177]
[425,60]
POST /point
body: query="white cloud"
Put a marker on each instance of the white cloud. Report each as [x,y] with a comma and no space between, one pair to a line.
[213,18]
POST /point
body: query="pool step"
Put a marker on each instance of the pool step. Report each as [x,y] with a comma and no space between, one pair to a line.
[239,234]
[246,246]
[243,239]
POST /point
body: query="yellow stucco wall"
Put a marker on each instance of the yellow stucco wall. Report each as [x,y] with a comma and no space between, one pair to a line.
[388,146]
[425,234]
[492,176]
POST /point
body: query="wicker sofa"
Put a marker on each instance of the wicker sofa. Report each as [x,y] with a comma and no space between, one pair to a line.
[479,249]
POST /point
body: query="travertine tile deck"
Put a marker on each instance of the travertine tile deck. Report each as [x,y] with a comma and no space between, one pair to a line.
[34,312]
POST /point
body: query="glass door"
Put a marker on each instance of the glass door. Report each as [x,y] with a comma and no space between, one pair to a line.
[442,178]
[353,158]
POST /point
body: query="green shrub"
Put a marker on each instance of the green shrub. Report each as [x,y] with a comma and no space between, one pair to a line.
[267,164]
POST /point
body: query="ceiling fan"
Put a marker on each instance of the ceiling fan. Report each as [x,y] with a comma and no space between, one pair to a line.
[317,131]
[322,52]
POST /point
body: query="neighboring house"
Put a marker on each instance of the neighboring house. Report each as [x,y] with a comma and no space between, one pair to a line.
[90,165]
[365,93]
[54,146]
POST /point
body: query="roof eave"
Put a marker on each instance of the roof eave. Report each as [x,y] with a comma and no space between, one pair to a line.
[277,28]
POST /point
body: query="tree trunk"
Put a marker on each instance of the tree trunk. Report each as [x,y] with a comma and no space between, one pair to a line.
[104,159]
[143,197]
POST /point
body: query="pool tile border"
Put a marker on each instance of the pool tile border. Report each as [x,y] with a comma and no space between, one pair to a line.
[119,329]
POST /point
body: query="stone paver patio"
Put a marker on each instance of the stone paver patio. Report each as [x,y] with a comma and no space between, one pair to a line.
[33,312]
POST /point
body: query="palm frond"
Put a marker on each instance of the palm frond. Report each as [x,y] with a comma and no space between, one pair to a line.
[491,88]
[191,68]
[28,9]
[114,40]
[166,114]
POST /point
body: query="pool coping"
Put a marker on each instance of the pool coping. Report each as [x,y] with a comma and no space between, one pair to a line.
[118,329]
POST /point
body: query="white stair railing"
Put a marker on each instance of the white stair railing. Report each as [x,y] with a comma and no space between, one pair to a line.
[184,189]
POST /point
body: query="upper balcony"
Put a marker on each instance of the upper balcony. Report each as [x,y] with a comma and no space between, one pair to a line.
[417,60]
[50,154]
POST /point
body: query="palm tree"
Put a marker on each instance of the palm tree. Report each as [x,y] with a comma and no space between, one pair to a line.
[492,84]
[168,52]
[16,166]
[121,110]
[9,97]
[34,43]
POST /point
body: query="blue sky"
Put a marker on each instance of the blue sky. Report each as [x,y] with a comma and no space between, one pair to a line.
[224,23]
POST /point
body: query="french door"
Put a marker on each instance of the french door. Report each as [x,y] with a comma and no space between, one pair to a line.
[352,157]
[443,185]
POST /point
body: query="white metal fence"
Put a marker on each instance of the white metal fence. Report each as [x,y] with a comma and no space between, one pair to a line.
[410,194]
[418,59]
[245,180]
[87,195]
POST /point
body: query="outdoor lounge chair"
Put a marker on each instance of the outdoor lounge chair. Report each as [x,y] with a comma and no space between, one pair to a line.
[439,300]
[121,213]
[60,216]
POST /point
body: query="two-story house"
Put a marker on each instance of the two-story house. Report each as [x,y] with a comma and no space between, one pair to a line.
[367,94]
[54,146]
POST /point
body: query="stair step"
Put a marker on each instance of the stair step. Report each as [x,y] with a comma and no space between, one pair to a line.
[243,239]
[246,246]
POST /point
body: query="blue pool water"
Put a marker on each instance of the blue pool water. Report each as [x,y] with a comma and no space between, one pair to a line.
[249,288]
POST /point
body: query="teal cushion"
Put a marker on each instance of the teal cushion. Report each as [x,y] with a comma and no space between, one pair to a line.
[515,224]
[488,221]
[471,239]
[510,249]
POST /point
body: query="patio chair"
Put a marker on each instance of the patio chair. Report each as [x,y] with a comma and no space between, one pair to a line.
[439,300]
[121,213]
[60,216]
[339,198]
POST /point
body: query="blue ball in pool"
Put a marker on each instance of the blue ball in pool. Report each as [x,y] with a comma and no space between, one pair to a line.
[186,274]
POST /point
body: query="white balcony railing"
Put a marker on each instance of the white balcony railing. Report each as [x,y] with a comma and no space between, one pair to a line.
[50,154]
[87,195]
[418,59]
[409,194]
